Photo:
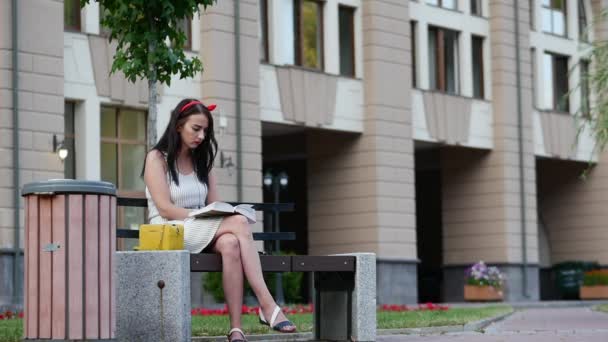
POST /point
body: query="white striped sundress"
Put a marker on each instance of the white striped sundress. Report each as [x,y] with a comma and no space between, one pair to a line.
[190,194]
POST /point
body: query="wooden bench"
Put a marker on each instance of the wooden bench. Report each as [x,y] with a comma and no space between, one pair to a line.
[334,276]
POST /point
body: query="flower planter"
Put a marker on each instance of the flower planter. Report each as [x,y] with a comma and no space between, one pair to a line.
[482,293]
[594,292]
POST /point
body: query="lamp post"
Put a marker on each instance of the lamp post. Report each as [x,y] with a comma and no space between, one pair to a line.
[276,182]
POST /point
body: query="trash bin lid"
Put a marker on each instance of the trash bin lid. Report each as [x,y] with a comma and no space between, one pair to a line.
[68,186]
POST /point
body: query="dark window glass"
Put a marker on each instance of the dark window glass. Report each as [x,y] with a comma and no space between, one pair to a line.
[185,25]
[309,33]
[71,15]
[443,54]
[413,48]
[264,30]
[476,7]
[69,164]
[451,4]
[347,40]
[582,22]
[478,80]
[585,89]
[559,70]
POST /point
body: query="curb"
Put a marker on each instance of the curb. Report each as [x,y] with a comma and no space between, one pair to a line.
[259,337]
[473,326]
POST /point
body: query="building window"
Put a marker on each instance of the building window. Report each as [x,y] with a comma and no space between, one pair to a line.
[263,30]
[478,81]
[69,164]
[582,22]
[554,16]
[585,89]
[556,75]
[185,25]
[443,57]
[103,30]
[413,48]
[531,13]
[308,22]
[534,76]
[450,4]
[476,7]
[347,40]
[71,15]
[123,149]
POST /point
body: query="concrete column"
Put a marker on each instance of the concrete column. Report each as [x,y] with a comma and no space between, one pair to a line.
[218,86]
[361,188]
[482,198]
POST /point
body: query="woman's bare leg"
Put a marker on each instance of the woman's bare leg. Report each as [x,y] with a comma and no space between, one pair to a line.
[237,225]
[227,245]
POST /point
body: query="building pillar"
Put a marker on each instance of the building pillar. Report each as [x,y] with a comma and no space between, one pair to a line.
[41,110]
[482,191]
[361,188]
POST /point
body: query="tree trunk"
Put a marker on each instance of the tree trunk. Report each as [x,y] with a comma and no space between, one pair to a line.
[152,112]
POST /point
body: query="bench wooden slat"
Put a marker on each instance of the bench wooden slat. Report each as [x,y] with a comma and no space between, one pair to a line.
[270,236]
[143,203]
[208,262]
[334,263]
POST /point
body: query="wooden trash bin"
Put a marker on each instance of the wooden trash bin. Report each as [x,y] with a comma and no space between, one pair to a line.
[70,239]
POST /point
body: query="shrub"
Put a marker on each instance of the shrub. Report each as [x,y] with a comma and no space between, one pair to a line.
[292,285]
[481,275]
[596,278]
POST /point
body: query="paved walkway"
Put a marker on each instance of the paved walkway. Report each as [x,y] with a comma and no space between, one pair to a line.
[530,325]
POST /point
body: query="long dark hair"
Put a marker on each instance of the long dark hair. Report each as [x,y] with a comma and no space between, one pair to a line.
[170,142]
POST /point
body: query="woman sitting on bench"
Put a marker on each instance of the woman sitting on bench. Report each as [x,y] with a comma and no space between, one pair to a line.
[179,178]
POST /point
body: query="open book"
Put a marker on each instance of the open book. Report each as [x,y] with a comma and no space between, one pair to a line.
[224,209]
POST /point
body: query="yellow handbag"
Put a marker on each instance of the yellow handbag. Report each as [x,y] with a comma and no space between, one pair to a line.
[161,237]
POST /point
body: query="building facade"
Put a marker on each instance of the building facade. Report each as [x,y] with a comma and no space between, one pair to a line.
[434,133]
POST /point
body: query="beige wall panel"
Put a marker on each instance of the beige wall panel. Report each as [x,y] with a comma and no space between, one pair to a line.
[41,34]
[218,86]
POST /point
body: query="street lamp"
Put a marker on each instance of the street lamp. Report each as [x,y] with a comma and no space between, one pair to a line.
[276,182]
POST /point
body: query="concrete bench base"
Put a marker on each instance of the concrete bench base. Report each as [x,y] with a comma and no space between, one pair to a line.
[345,301]
[145,312]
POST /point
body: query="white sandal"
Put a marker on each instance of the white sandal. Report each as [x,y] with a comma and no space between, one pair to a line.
[279,326]
[240,332]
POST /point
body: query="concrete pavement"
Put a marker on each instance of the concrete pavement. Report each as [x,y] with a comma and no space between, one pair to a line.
[530,325]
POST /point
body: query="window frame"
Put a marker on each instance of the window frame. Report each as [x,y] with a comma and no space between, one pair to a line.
[583,34]
[298,41]
[118,142]
[478,5]
[78,25]
[188,45]
[551,9]
[554,86]
[440,60]
[585,88]
[352,10]
[481,40]
[440,5]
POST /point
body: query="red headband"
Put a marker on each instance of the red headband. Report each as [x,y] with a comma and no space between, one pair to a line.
[211,107]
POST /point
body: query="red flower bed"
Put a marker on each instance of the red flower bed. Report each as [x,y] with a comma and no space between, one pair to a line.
[10,315]
[299,309]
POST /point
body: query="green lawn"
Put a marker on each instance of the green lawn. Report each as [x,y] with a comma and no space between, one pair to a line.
[11,330]
[603,308]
